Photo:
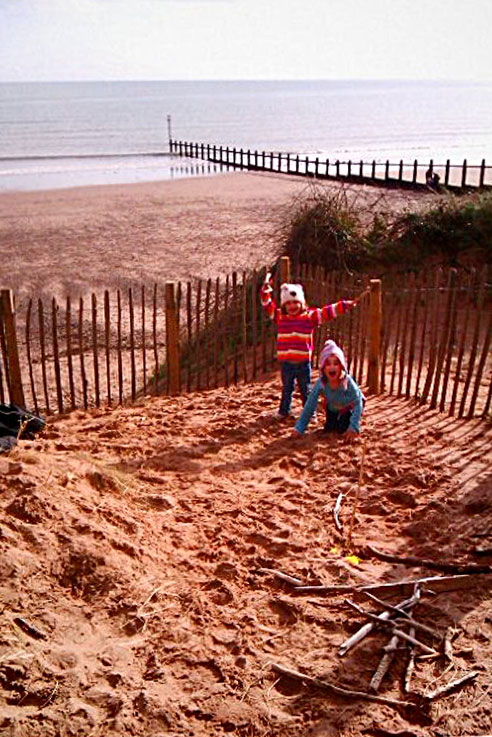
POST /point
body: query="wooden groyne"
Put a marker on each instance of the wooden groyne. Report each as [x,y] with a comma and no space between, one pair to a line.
[414,175]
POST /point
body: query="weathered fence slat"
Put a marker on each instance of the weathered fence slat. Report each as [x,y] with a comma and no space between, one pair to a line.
[481,365]
[434,305]
[154,340]
[451,342]
[216,332]
[144,347]
[189,334]
[42,346]
[107,347]
[206,346]
[172,341]
[133,368]
[118,346]
[469,285]
[95,352]
[198,342]
[83,378]
[475,340]
[68,342]
[29,360]
[56,355]
[444,337]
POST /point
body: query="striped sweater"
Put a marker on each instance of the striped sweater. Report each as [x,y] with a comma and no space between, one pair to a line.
[295,334]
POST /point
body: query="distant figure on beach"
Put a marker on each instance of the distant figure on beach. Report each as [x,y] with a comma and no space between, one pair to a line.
[432,179]
[342,397]
[295,326]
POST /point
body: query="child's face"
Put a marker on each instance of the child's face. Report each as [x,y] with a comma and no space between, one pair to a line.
[293,307]
[332,368]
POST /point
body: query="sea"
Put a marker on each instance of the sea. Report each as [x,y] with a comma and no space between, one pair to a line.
[67,134]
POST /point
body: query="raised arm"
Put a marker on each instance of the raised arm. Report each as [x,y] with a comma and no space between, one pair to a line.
[266,297]
[335,309]
[358,399]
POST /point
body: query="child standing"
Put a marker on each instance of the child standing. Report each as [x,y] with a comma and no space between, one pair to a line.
[344,401]
[295,326]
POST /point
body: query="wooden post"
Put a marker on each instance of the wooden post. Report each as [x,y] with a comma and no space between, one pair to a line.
[327,164]
[316,167]
[172,340]
[68,331]
[446,173]
[482,174]
[28,349]
[463,174]
[56,355]
[361,169]
[415,170]
[400,171]
[7,315]
[373,170]
[95,352]
[349,168]
[387,170]
[337,165]
[284,270]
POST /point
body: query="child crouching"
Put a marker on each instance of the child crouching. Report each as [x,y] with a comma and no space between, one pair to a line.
[344,401]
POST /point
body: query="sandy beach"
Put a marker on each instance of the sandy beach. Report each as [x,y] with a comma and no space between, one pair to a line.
[71,241]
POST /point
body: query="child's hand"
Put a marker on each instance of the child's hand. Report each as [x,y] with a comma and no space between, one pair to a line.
[351,303]
[266,291]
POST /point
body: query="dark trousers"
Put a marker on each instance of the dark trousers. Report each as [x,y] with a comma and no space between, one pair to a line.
[291,372]
[337,421]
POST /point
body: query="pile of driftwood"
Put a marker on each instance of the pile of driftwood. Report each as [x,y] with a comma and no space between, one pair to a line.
[406,635]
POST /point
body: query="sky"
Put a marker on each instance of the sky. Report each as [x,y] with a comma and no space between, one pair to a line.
[49,40]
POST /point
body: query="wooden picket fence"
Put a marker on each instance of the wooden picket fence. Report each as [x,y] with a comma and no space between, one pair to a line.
[432,344]
[412,175]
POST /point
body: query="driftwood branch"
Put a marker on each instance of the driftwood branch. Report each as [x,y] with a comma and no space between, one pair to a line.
[336,512]
[403,615]
[369,626]
[442,690]
[385,662]
[424,562]
[282,670]
[282,576]
[29,629]
[437,583]
[390,625]
[410,665]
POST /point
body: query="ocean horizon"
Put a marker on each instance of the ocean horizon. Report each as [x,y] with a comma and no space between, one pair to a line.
[59,134]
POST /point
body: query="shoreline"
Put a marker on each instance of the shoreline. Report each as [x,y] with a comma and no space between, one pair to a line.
[72,241]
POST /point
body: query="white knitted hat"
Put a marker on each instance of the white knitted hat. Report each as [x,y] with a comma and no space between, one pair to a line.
[330,348]
[291,292]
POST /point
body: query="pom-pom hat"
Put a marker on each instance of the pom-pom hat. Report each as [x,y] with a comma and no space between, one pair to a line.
[291,293]
[330,348]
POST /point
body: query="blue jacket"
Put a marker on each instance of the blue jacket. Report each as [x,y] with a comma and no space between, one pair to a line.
[337,400]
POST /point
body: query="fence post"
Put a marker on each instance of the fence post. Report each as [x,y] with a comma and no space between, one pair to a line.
[284,270]
[415,171]
[7,315]
[373,170]
[375,322]
[482,174]
[463,174]
[172,341]
[387,170]
[446,173]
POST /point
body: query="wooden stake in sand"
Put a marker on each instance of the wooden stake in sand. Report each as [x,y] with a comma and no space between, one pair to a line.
[357,495]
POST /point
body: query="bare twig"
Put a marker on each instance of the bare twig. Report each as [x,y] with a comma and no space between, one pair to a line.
[384,663]
[282,576]
[390,625]
[442,690]
[410,665]
[335,689]
[369,626]
[424,562]
[29,629]
[438,583]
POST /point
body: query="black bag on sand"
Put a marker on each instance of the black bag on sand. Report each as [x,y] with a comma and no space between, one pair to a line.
[15,420]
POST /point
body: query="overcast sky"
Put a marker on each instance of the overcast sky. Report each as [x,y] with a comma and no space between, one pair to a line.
[245,39]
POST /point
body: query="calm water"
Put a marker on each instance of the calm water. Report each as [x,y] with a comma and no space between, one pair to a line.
[68,134]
